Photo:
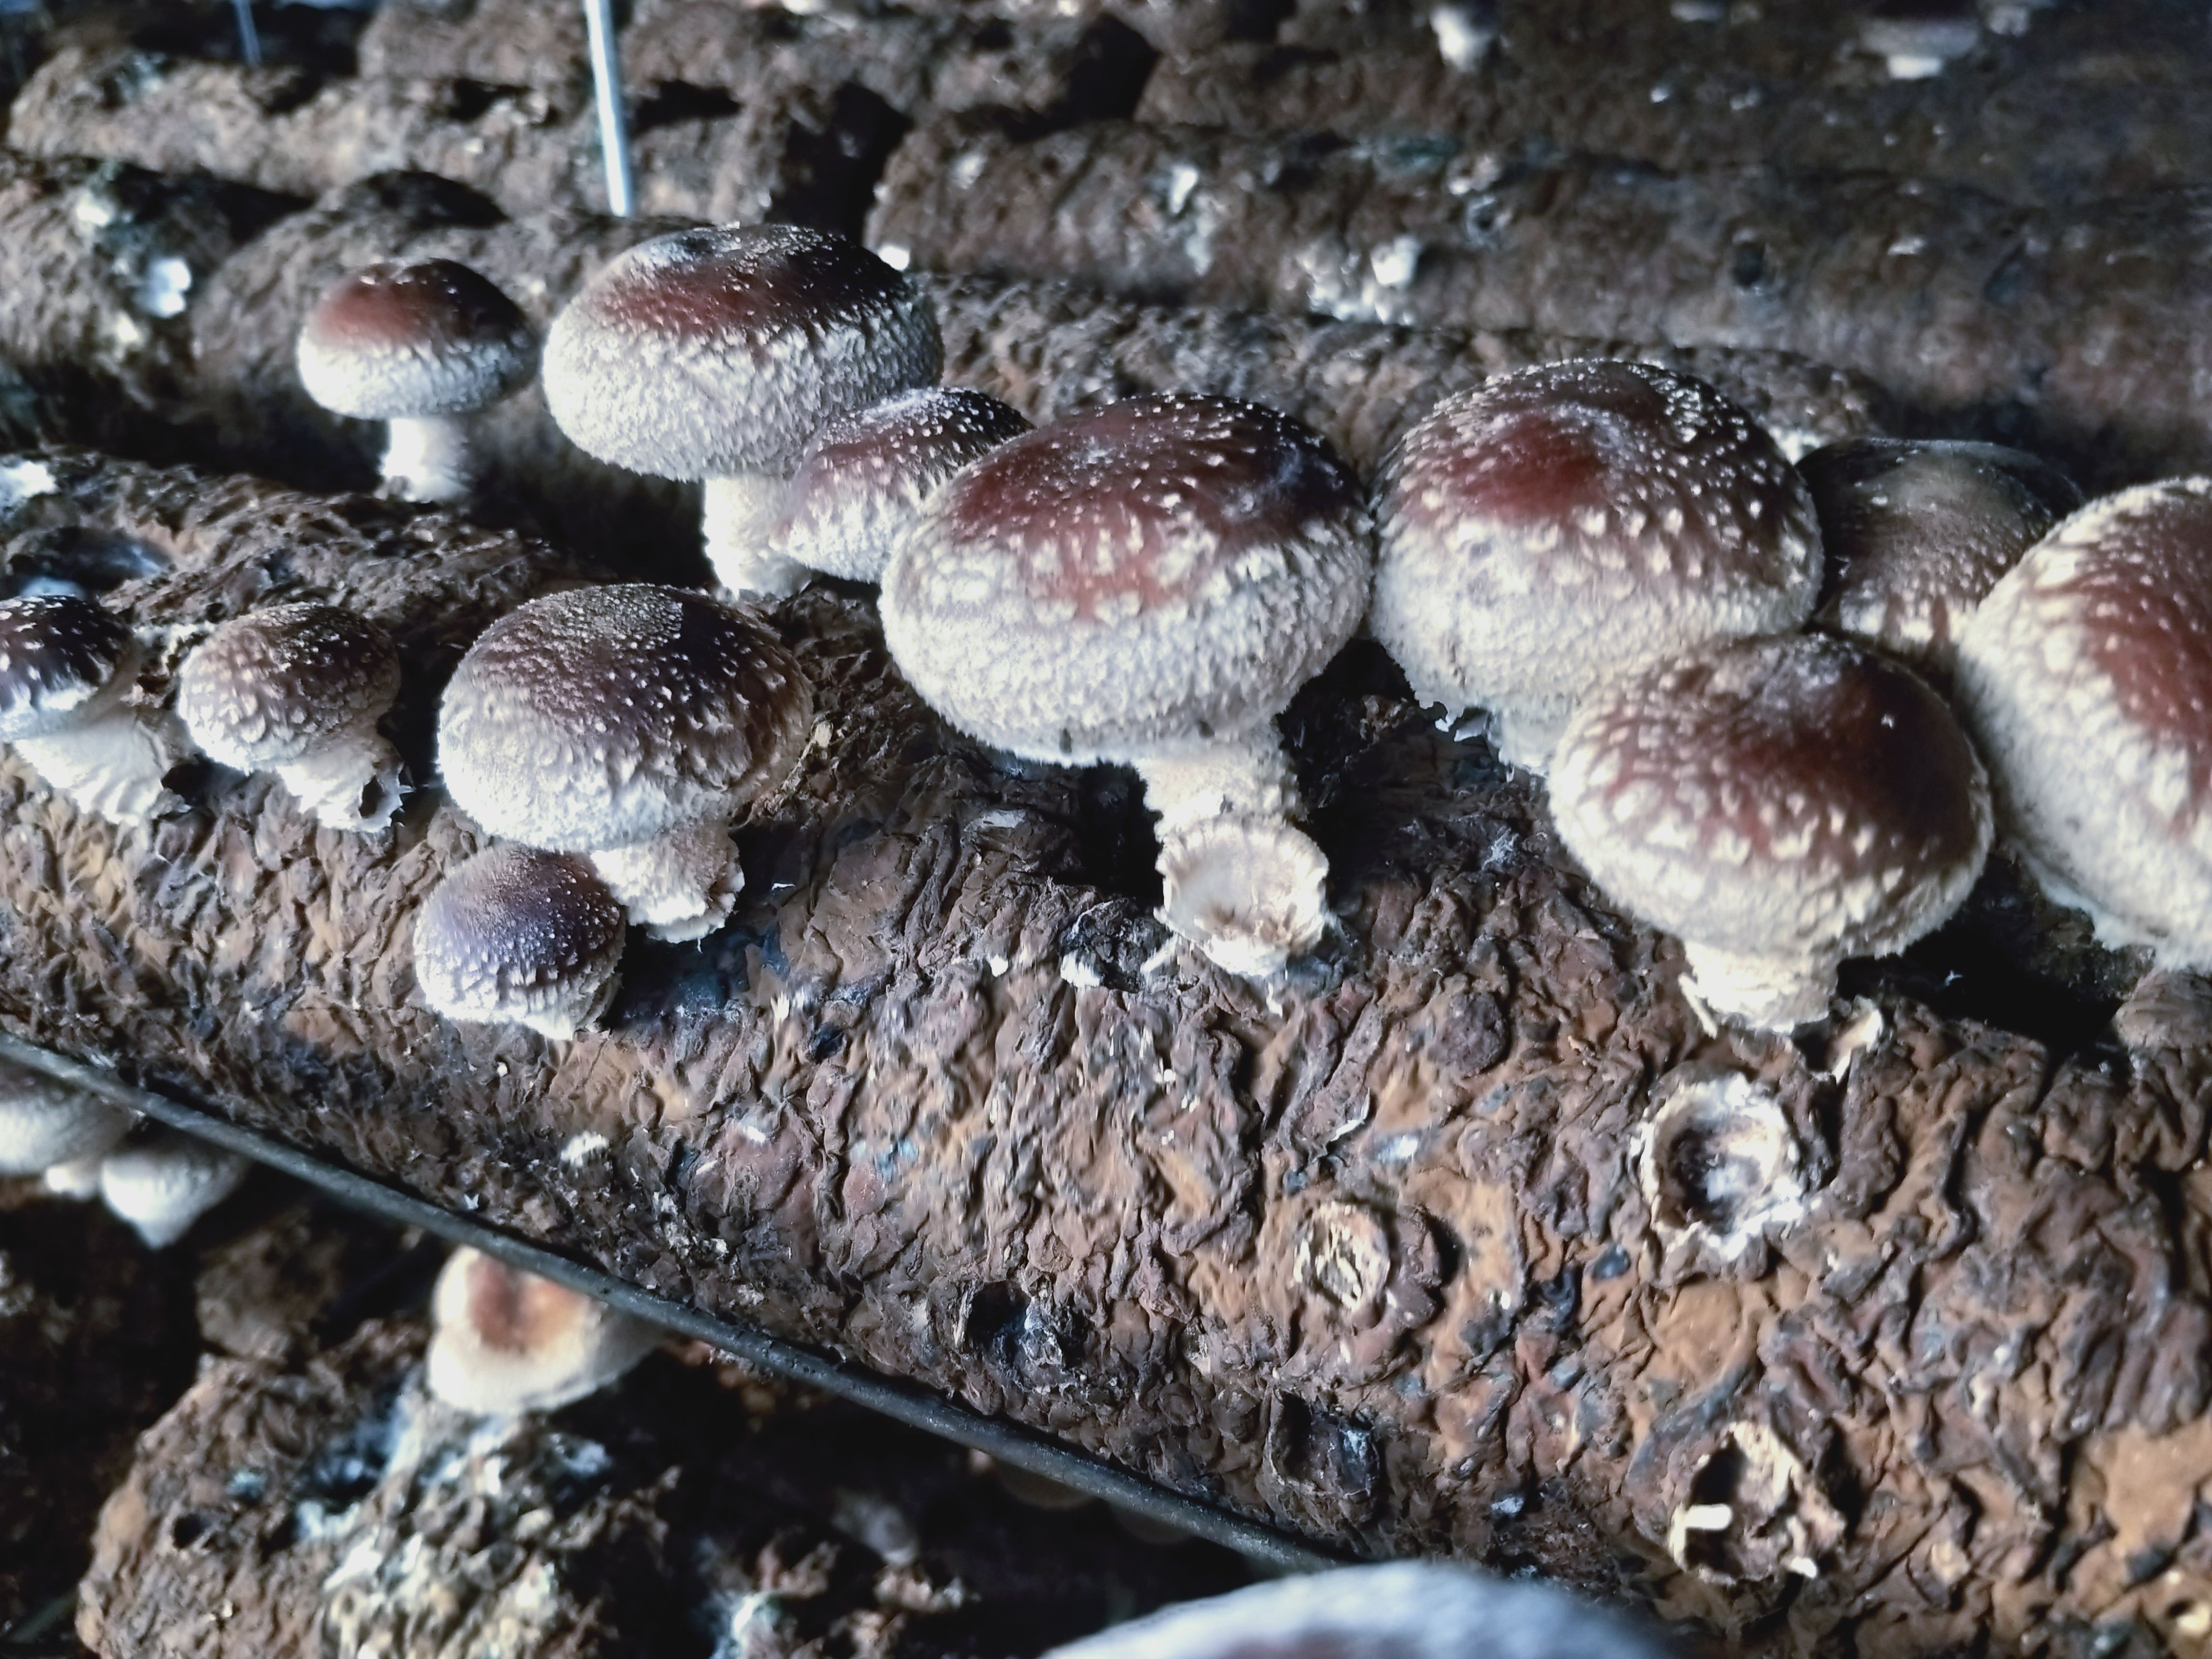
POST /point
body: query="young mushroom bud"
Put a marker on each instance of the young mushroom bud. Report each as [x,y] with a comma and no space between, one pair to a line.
[505,1342]
[865,478]
[717,354]
[519,937]
[1572,523]
[298,690]
[164,1183]
[1917,531]
[46,1124]
[1402,1610]
[1779,804]
[2087,678]
[628,724]
[66,669]
[422,346]
[1149,583]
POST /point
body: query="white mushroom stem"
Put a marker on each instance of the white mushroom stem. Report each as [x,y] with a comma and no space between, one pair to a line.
[351,782]
[681,885]
[1767,994]
[739,517]
[112,766]
[1238,881]
[429,458]
[1526,736]
[78,1178]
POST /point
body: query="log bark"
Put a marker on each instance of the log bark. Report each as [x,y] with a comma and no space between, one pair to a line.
[328,1505]
[1430,1247]
[2079,331]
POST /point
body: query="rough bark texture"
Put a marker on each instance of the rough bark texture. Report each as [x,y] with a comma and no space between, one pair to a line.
[1407,1254]
[330,1506]
[2078,331]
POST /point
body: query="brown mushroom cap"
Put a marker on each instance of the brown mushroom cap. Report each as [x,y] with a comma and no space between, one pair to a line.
[1918,532]
[718,351]
[273,685]
[863,481]
[1794,799]
[605,716]
[62,659]
[1565,525]
[520,937]
[1131,579]
[396,342]
[507,1341]
[2087,678]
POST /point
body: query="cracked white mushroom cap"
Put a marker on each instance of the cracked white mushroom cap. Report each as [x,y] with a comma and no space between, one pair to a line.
[162,1184]
[66,669]
[516,936]
[717,353]
[2087,677]
[1917,532]
[298,690]
[505,1342]
[1779,805]
[44,1122]
[1149,583]
[419,345]
[865,476]
[1402,1610]
[628,723]
[1573,522]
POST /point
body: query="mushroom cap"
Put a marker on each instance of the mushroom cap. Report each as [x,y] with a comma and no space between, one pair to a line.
[723,350]
[506,1340]
[864,479]
[1400,1610]
[1572,522]
[1135,579]
[62,659]
[1918,532]
[1798,798]
[272,686]
[514,934]
[393,341]
[604,716]
[2087,677]
[45,1122]
[164,1183]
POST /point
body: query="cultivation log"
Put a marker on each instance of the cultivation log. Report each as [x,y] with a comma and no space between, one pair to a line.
[2080,331]
[1465,1237]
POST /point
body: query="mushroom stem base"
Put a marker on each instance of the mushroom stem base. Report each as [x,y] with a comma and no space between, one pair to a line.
[679,887]
[428,457]
[111,767]
[1526,736]
[739,518]
[1245,774]
[1765,993]
[1246,889]
[351,783]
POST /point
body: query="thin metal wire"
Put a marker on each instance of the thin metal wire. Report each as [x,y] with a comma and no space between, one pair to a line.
[249,37]
[614,122]
[1009,1442]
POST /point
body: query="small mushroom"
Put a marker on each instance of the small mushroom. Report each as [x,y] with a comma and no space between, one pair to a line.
[162,1184]
[2087,678]
[1149,583]
[298,690]
[718,353]
[421,345]
[66,671]
[1573,523]
[515,936]
[1779,804]
[1400,1610]
[628,724]
[46,1124]
[1918,532]
[505,1342]
[865,477]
